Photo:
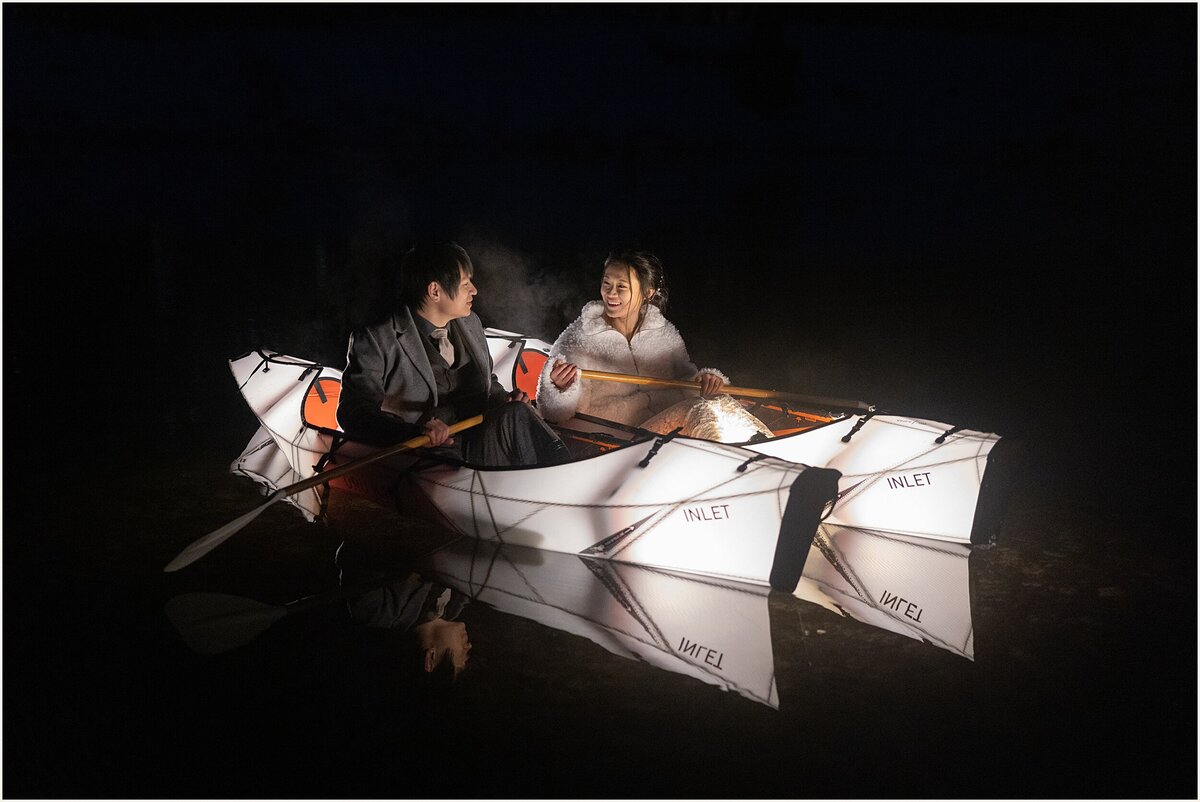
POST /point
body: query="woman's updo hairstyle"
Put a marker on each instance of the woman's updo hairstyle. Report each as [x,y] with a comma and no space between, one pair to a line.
[649,272]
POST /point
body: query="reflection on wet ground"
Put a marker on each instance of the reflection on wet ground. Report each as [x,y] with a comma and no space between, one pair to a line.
[718,631]
[714,630]
[1058,662]
[917,587]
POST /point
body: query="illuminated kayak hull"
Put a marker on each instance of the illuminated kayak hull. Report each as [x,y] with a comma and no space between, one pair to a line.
[684,505]
[898,474]
[696,506]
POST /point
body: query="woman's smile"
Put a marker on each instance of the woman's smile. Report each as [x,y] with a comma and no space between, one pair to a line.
[619,290]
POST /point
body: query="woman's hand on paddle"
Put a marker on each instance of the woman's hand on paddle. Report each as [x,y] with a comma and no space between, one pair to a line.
[518,395]
[438,433]
[710,385]
[563,374]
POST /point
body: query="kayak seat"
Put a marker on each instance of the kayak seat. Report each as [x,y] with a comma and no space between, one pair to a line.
[321,403]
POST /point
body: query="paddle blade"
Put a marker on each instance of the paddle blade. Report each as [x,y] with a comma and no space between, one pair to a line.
[213,539]
[211,623]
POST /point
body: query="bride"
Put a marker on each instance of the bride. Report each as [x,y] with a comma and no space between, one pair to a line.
[625,332]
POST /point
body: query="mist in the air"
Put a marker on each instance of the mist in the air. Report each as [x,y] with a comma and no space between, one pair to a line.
[521,294]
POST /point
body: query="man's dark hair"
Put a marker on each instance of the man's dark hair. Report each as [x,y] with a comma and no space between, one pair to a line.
[431,261]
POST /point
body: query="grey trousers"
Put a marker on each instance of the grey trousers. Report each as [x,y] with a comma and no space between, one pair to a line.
[511,434]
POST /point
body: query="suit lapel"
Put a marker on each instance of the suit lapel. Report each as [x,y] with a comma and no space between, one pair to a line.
[409,337]
[479,354]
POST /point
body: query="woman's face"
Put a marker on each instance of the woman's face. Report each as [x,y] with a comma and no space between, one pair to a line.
[621,293]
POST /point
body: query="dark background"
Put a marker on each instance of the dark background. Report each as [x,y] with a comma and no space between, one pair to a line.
[954,210]
[980,214]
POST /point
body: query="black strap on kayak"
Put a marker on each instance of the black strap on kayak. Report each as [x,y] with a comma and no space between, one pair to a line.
[517,342]
[811,493]
[659,443]
[338,440]
[513,339]
[948,432]
[742,468]
[612,424]
[857,426]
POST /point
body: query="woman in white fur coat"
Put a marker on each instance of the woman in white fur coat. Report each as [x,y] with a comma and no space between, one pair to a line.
[626,332]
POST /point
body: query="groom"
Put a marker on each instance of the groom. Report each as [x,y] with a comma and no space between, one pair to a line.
[428,366]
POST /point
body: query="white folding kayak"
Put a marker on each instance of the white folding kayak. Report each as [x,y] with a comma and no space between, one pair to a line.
[679,504]
[744,512]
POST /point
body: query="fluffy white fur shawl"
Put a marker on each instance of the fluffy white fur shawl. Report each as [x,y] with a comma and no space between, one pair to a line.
[656,349]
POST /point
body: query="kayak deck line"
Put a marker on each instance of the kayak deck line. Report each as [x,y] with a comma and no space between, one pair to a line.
[426,479]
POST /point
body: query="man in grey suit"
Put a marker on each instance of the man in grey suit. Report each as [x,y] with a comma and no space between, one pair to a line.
[428,365]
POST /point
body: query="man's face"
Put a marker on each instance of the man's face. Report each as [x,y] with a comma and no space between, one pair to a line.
[460,304]
[441,640]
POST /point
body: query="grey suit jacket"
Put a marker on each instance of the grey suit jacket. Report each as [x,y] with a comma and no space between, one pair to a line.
[388,390]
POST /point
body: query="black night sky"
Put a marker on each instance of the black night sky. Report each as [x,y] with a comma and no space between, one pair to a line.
[988,208]
[978,213]
[911,204]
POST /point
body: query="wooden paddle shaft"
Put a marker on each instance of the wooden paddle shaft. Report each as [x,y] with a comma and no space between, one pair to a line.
[204,545]
[745,392]
[342,470]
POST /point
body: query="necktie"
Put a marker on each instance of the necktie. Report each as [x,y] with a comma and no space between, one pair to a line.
[445,347]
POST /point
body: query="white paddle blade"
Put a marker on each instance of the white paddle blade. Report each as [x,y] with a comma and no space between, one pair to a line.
[213,539]
[211,623]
